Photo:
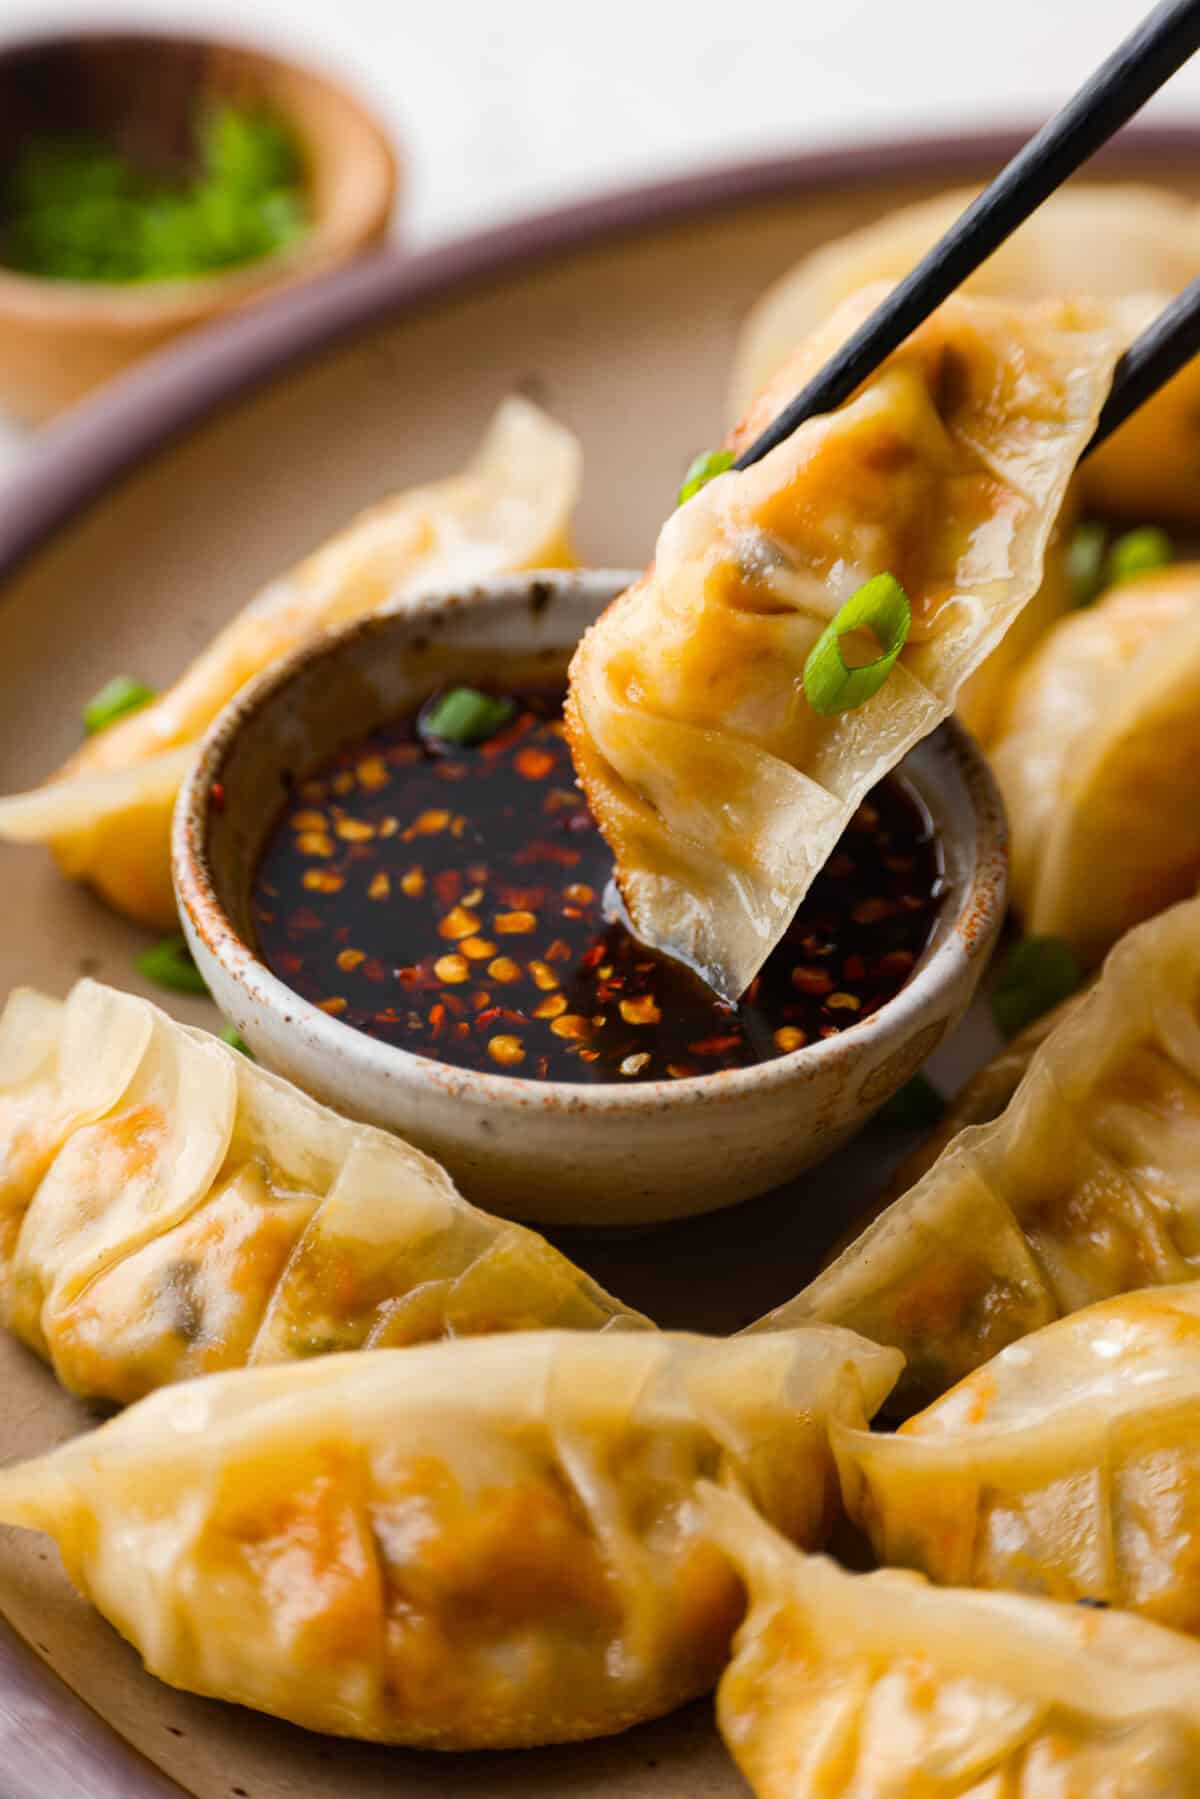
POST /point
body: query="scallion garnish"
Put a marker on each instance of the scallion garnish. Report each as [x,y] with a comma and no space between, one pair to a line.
[916,1106]
[233,1037]
[702,469]
[831,684]
[1137,553]
[464,715]
[1085,562]
[1036,976]
[117,697]
[169,964]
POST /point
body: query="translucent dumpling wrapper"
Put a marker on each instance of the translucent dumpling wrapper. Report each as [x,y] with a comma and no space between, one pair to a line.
[879,1686]
[1086,1186]
[1095,756]
[107,814]
[1135,244]
[719,787]
[462,1545]
[1068,1465]
[168,1208]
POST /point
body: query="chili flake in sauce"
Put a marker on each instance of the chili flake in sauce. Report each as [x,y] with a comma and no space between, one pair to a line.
[450,899]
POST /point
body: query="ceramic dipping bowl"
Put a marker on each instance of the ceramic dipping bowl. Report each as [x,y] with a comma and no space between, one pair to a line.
[551,1152]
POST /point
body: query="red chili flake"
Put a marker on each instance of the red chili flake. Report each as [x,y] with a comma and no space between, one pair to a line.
[304,919]
[589,1055]
[437,1018]
[447,884]
[854,968]
[289,963]
[488,1016]
[216,794]
[559,952]
[388,1016]
[407,976]
[462,1030]
[811,980]
[715,1046]
[571,912]
[912,902]
[895,962]
[533,764]
[591,958]
[521,899]
[541,851]
[454,1004]
[374,970]
[680,1071]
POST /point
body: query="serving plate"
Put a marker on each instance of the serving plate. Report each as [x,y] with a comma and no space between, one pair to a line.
[152,514]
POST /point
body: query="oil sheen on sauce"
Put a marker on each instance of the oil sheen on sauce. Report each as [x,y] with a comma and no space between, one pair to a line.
[451,900]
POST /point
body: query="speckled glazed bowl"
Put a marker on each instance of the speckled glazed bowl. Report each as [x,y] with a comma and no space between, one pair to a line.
[552,1152]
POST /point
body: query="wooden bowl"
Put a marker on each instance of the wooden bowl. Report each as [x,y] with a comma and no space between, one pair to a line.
[59,339]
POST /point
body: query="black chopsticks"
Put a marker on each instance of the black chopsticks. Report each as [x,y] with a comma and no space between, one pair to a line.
[1162,43]
[1150,361]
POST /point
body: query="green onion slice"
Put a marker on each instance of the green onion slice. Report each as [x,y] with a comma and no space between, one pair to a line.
[1137,553]
[1036,976]
[117,697]
[881,607]
[463,715]
[169,964]
[233,1037]
[702,469]
[917,1106]
[1085,562]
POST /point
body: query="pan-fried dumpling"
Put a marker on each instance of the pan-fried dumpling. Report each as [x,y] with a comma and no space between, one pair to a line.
[169,1208]
[879,1686]
[1068,1465]
[463,1545]
[1100,740]
[107,815]
[719,787]
[1086,1186]
[1134,244]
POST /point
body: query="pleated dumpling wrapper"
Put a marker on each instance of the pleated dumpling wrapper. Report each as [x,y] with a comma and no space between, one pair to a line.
[1096,753]
[107,814]
[1087,1185]
[169,1208]
[879,1686]
[1131,244]
[481,1544]
[1068,1465]
[719,786]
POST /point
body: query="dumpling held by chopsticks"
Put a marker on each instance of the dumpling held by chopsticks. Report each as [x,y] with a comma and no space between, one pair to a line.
[723,716]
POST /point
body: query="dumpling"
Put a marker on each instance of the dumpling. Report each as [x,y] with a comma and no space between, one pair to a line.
[719,787]
[878,1686]
[107,814]
[1134,244]
[482,1544]
[1068,1465]
[1100,739]
[1087,1185]
[169,1208]
[983,1097]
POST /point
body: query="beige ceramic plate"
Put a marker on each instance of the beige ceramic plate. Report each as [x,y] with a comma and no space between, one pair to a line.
[210,470]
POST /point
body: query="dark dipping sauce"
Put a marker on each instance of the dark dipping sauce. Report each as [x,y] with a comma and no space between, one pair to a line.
[450,900]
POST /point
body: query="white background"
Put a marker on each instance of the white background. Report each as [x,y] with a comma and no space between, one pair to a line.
[502,106]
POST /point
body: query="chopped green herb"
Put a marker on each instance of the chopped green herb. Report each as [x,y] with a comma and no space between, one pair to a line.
[117,697]
[1137,553]
[1085,562]
[1036,976]
[917,1105]
[169,964]
[75,209]
[879,607]
[702,470]
[233,1037]
[464,715]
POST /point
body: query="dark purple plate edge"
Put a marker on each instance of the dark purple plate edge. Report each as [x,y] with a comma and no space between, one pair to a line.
[109,436]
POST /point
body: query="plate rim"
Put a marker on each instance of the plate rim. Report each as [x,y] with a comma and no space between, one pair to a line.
[92,448]
[107,438]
